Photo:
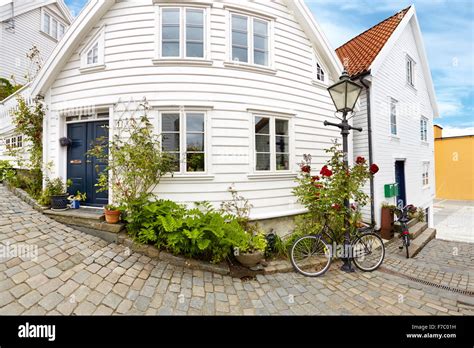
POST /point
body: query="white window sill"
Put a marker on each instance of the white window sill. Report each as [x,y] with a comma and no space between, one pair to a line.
[426,187]
[250,67]
[48,36]
[261,176]
[411,86]
[188,177]
[179,61]
[92,68]
[425,143]
[319,83]
[394,137]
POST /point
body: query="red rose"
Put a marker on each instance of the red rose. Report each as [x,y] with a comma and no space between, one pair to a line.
[353,206]
[336,206]
[325,171]
[318,186]
[360,160]
[374,168]
[315,178]
[306,169]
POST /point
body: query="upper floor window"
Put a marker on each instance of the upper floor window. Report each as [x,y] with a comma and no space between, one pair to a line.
[425,174]
[250,40]
[183,136]
[424,129]
[410,67]
[52,26]
[319,73]
[393,117]
[272,144]
[92,55]
[183,33]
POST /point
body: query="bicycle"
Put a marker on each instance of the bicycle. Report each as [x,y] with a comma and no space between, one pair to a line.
[311,255]
[403,219]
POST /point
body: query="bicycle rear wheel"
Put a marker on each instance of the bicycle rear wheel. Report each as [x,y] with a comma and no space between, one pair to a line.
[311,256]
[406,241]
[368,252]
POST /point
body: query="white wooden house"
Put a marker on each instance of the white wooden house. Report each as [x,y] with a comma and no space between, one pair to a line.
[237,88]
[397,110]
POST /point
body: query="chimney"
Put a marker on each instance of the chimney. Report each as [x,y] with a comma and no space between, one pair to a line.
[438,131]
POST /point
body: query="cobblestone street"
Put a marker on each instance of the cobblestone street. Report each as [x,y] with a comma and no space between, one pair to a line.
[76,273]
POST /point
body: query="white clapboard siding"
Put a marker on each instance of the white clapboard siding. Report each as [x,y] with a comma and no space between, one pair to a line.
[227,93]
[390,82]
[15,45]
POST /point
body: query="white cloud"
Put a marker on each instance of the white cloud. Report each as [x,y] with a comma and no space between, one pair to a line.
[450,131]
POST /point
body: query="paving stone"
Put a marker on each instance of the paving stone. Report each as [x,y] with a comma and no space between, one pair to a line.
[51,300]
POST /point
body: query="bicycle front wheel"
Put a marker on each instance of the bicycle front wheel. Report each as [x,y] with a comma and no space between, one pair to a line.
[368,252]
[311,256]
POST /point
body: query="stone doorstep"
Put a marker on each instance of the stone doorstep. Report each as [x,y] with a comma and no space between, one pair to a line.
[88,220]
[420,242]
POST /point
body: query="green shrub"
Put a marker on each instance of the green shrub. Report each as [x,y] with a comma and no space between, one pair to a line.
[6,170]
[53,187]
[201,232]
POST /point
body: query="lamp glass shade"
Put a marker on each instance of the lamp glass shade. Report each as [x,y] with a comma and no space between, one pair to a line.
[353,93]
[345,94]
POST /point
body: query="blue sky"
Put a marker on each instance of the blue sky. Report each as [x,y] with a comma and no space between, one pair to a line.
[448,33]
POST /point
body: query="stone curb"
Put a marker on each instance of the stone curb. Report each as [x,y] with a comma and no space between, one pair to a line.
[25,197]
[154,253]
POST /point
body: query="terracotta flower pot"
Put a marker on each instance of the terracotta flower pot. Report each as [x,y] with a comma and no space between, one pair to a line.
[250,259]
[112,216]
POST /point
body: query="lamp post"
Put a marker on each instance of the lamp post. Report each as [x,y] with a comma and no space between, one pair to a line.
[345,94]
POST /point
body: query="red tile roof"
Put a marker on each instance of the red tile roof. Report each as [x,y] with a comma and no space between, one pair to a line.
[358,54]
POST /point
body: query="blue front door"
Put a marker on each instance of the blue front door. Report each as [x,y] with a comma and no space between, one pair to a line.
[400,179]
[82,170]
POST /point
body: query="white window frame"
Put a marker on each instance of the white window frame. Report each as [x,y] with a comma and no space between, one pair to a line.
[52,18]
[182,32]
[273,153]
[250,39]
[424,129]
[99,39]
[183,139]
[395,102]
[410,70]
[13,142]
[425,176]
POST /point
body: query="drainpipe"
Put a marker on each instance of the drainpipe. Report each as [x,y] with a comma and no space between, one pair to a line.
[371,155]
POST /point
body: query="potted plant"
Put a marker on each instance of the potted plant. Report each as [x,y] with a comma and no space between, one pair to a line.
[57,191]
[252,251]
[76,200]
[386,231]
[112,214]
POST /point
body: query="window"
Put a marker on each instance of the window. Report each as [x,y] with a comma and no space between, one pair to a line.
[393,117]
[46,23]
[425,174]
[184,138]
[250,35]
[410,66]
[14,142]
[272,148]
[424,129]
[182,33]
[319,72]
[93,54]
[52,26]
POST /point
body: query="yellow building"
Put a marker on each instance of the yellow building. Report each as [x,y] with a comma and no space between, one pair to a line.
[454,165]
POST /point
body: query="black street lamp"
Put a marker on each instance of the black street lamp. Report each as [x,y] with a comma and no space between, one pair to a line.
[345,94]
